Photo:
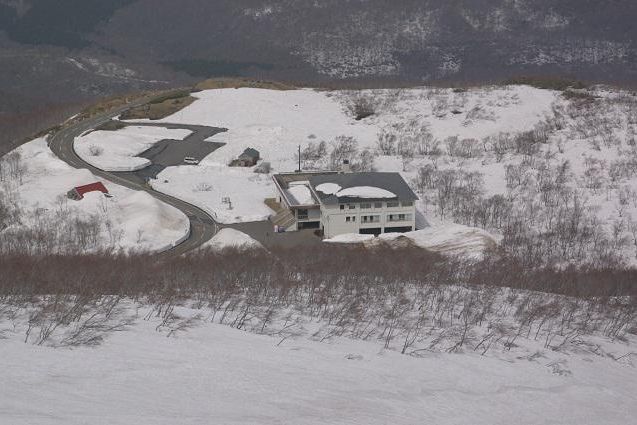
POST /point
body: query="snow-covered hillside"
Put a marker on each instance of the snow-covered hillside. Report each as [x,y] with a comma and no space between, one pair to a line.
[517,161]
[277,122]
[210,373]
[128,220]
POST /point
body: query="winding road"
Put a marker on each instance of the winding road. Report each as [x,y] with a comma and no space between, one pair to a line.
[202,226]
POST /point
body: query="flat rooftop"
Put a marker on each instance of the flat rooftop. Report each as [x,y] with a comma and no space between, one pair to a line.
[361,187]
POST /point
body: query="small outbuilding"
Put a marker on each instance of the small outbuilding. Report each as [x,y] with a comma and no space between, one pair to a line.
[78,192]
[248,158]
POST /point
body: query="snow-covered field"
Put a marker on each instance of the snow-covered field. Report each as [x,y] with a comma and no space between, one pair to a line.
[207,186]
[277,122]
[219,375]
[128,220]
[117,150]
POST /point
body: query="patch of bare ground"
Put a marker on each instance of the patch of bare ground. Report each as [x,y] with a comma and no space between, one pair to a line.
[160,107]
[111,126]
[273,204]
[235,83]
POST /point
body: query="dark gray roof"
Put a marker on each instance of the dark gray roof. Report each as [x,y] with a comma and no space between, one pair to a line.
[284,179]
[250,153]
[392,182]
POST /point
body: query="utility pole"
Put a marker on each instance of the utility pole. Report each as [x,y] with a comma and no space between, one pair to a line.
[299,169]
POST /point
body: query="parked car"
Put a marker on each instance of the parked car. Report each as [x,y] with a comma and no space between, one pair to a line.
[191,160]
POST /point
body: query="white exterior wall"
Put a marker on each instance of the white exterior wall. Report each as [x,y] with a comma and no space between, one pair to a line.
[334,221]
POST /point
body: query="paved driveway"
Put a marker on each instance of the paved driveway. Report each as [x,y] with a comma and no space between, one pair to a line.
[169,153]
[263,231]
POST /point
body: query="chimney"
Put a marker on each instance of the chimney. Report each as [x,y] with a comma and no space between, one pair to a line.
[345,167]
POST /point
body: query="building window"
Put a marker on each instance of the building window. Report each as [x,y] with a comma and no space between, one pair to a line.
[366,206]
[370,219]
[399,217]
[342,207]
[352,206]
[392,204]
[378,205]
[302,215]
[407,204]
[349,219]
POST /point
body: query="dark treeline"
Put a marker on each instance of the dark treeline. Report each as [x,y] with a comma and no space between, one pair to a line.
[336,266]
[410,300]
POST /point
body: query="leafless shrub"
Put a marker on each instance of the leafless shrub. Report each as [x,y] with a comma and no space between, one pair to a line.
[501,144]
[362,105]
[479,113]
[13,167]
[95,150]
[344,148]
[463,148]
[203,187]
[263,167]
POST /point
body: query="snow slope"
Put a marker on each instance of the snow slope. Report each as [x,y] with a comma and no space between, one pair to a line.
[130,219]
[218,375]
[118,150]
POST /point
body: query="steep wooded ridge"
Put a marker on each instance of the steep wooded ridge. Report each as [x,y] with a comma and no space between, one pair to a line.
[56,52]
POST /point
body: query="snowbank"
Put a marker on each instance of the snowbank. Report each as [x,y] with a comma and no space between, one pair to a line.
[231,238]
[136,220]
[350,238]
[449,239]
[152,222]
[118,150]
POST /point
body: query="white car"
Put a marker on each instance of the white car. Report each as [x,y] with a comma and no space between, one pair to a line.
[191,160]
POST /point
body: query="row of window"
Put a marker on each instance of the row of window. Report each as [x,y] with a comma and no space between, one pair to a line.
[376,218]
[369,205]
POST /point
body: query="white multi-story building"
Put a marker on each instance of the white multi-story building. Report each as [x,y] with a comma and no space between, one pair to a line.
[340,203]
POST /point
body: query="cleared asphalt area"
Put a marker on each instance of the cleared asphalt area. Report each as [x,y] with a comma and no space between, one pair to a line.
[170,153]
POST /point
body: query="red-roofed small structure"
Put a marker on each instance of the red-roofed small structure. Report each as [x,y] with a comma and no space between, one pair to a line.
[78,192]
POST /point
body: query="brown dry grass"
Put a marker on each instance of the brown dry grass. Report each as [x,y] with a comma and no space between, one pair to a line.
[111,126]
[273,204]
[109,104]
[235,83]
[158,110]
